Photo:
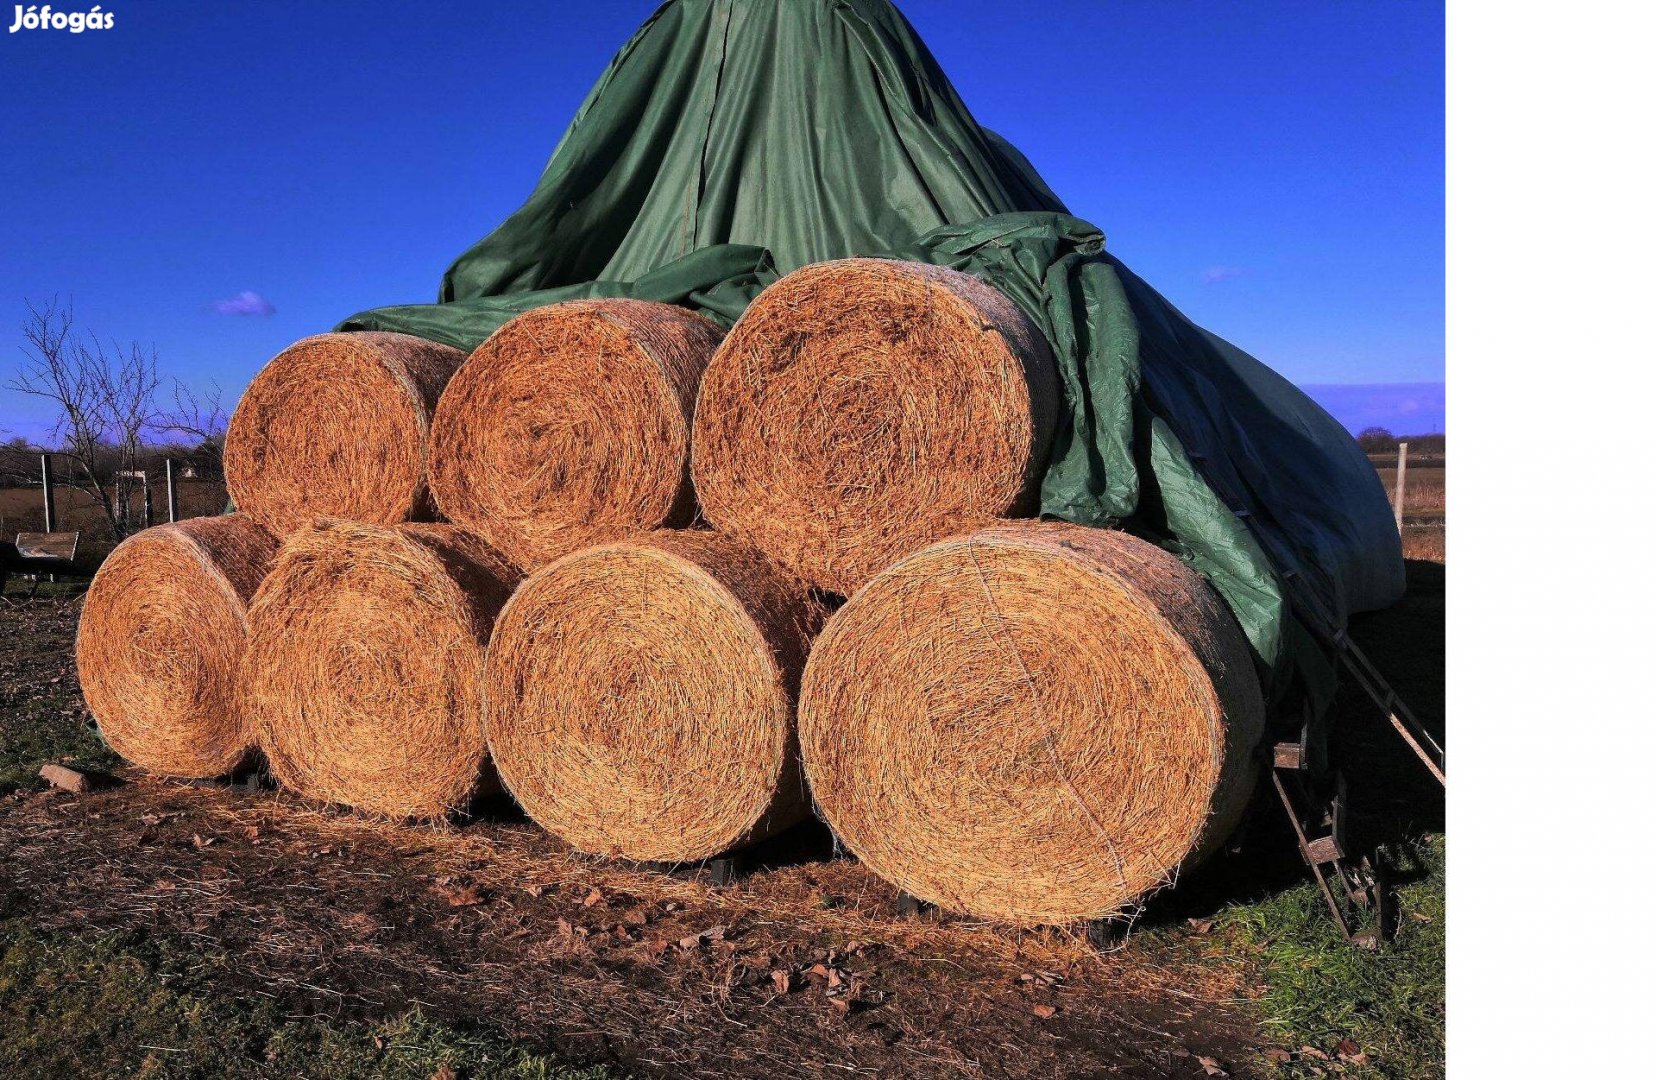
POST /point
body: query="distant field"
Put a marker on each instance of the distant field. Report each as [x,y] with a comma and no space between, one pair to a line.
[21,511]
[1425,492]
[1425,501]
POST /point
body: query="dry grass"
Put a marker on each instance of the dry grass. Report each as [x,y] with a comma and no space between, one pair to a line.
[1429,543]
[1034,723]
[641,697]
[364,664]
[1425,490]
[862,409]
[161,638]
[1425,505]
[571,425]
[337,425]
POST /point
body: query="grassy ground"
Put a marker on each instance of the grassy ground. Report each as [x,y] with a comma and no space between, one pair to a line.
[144,1005]
[33,734]
[150,1008]
[1319,991]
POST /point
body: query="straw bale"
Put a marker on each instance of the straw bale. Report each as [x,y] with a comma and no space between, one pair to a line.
[641,697]
[1033,723]
[862,409]
[337,425]
[570,426]
[162,631]
[364,664]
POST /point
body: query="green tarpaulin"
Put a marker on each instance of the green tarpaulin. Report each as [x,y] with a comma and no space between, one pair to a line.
[732,141]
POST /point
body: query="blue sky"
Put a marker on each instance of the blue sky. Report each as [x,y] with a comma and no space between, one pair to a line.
[1276,169]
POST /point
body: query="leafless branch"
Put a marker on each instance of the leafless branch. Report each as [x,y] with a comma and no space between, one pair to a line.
[103,400]
[200,418]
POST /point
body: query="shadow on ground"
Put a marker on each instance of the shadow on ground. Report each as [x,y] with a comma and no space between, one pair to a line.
[1394,802]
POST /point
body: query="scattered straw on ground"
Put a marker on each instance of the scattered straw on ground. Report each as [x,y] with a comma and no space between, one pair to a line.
[802,970]
[337,426]
[862,409]
[1037,722]
[571,425]
[161,637]
[641,697]
[365,660]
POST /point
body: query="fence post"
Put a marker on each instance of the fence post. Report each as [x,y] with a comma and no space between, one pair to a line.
[46,490]
[172,494]
[1402,472]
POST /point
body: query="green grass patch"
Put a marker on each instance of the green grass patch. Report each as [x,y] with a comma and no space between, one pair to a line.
[1320,989]
[98,1005]
[48,728]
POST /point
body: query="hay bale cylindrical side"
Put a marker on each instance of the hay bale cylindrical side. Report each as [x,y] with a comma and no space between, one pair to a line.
[364,664]
[862,409]
[337,425]
[1034,723]
[570,425]
[641,697]
[162,631]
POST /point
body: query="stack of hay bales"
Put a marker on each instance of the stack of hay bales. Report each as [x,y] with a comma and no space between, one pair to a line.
[595,557]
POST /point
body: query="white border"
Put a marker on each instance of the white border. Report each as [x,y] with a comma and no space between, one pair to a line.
[1551,656]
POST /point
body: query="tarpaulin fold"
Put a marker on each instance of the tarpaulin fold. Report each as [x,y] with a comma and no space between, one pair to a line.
[732,141]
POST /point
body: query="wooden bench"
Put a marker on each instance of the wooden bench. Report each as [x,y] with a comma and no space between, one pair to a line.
[37,554]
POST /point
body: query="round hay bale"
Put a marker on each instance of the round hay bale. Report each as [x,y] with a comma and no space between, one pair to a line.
[641,697]
[570,426]
[862,409]
[1034,723]
[337,425]
[162,631]
[364,664]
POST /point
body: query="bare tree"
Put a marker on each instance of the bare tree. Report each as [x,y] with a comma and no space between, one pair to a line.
[201,419]
[1376,440]
[104,398]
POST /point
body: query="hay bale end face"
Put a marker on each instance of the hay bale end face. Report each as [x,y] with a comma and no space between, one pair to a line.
[162,631]
[1034,723]
[862,409]
[337,425]
[364,664]
[641,697]
[570,425]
